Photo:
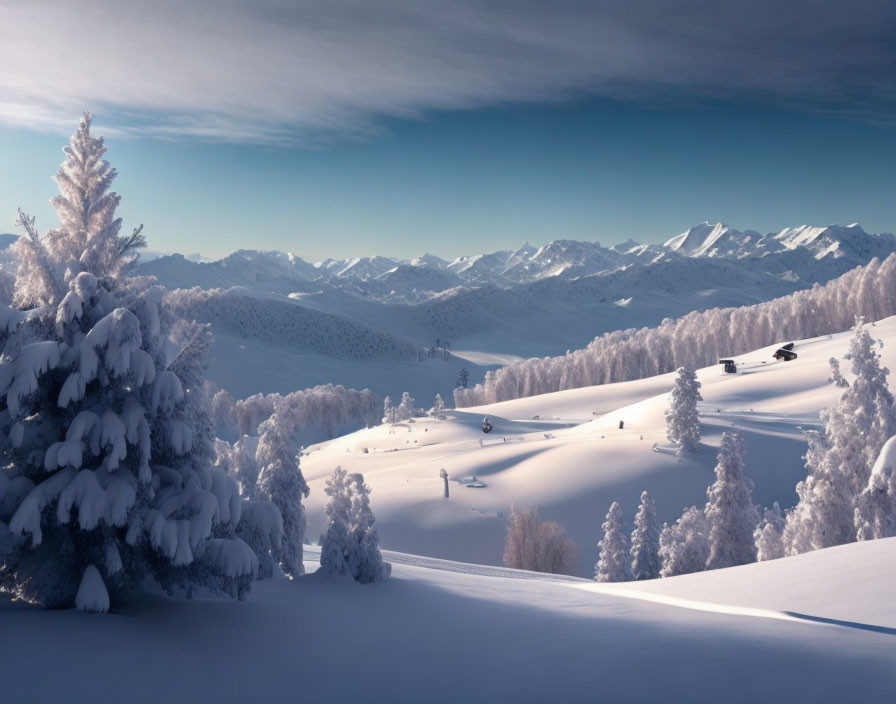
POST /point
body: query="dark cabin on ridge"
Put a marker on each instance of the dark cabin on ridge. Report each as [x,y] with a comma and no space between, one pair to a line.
[730,366]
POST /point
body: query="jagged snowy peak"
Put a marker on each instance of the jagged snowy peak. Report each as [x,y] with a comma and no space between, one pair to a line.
[573,258]
[713,240]
[850,241]
[429,260]
[480,268]
[363,268]
[407,276]
[521,256]
[242,268]
[627,246]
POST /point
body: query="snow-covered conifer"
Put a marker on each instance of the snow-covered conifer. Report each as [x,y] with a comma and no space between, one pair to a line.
[682,420]
[106,448]
[612,562]
[351,545]
[767,535]
[684,546]
[839,460]
[646,541]
[730,512]
[406,410]
[390,415]
[280,481]
[438,408]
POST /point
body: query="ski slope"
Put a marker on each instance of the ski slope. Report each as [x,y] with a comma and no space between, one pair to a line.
[565,453]
[798,629]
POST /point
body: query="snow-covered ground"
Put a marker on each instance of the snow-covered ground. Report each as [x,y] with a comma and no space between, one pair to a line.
[819,627]
[565,453]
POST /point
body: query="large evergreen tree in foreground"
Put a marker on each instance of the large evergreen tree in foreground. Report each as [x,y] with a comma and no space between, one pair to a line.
[105,436]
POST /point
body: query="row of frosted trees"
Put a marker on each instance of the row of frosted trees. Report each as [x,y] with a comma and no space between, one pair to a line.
[849,492]
[697,339]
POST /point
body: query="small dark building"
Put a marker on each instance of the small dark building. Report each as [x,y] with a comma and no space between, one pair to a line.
[786,353]
[730,366]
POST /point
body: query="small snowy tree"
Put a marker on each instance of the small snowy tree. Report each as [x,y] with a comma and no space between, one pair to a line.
[406,410]
[875,514]
[682,420]
[106,450]
[839,460]
[730,512]
[612,562]
[684,546]
[351,545]
[538,546]
[438,408]
[390,414]
[836,375]
[767,535]
[646,541]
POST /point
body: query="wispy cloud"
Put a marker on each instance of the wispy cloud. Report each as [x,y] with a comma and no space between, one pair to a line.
[291,70]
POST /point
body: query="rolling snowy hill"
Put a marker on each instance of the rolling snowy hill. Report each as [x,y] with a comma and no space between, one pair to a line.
[565,453]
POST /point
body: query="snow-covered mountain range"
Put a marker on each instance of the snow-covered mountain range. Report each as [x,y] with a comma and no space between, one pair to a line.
[392,280]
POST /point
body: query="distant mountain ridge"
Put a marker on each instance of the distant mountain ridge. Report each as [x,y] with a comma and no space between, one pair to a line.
[409,281]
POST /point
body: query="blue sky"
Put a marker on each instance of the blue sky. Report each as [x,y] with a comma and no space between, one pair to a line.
[478,132]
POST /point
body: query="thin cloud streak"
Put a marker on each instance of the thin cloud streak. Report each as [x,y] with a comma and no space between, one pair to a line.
[275,71]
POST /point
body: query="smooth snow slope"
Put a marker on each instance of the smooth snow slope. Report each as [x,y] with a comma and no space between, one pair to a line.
[573,461]
[451,635]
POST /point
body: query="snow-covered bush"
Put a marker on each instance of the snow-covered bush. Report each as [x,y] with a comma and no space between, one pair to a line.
[539,546]
[646,541]
[105,435]
[839,460]
[612,561]
[351,545]
[730,512]
[684,546]
[682,420]
[697,339]
[767,535]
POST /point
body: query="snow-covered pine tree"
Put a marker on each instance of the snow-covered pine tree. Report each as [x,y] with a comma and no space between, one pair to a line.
[840,459]
[406,409]
[682,420]
[351,545]
[105,441]
[612,562]
[684,546]
[389,413]
[729,511]
[281,482]
[767,535]
[438,408]
[646,541]
[875,514]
